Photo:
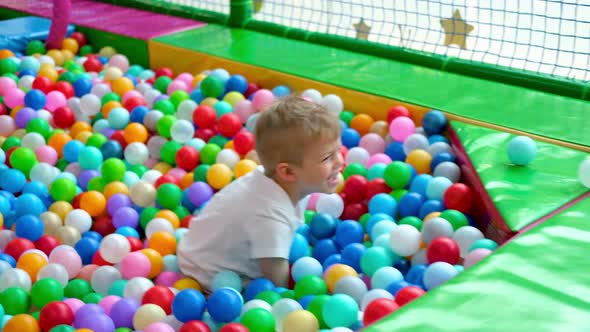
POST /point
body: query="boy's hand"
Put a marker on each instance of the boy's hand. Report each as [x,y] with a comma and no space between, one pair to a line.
[275,270]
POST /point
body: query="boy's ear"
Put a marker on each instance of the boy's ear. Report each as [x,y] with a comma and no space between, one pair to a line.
[285,172]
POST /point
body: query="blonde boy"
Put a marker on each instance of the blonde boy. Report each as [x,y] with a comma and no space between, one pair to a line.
[248,226]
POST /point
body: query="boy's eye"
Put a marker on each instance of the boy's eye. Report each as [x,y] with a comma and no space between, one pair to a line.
[327,158]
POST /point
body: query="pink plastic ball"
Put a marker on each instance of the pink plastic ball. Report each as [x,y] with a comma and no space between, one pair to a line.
[87,271]
[46,154]
[177,173]
[150,163]
[6,84]
[401,127]
[74,168]
[68,257]
[167,278]
[131,94]
[373,143]
[14,97]
[175,86]
[262,98]
[7,125]
[244,109]
[475,256]
[135,264]
[158,327]
[187,78]
[107,303]
[120,61]
[74,304]
[378,158]
[55,99]
[313,200]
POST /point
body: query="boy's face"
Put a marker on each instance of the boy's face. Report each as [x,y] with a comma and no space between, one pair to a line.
[322,161]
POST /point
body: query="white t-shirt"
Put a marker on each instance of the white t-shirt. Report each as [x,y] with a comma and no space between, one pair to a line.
[251,218]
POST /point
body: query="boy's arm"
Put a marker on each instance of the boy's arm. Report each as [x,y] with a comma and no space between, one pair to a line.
[275,270]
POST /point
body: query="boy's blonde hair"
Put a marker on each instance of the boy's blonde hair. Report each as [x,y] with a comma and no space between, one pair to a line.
[288,126]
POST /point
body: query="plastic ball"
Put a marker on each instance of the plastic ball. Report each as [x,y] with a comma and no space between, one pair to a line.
[405,240]
[443,249]
[521,150]
[408,294]
[475,256]
[340,311]
[436,188]
[227,157]
[459,197]
[347,232]
[373,295]
[161,296]
[226,279]
[142,194]
[438,273]
[436,227]
[22,322]
[584,172]
[262,99]
[188,305]
[54,314]
[336,272]
[331,204]
[401,127]
[258,319]
[45,291]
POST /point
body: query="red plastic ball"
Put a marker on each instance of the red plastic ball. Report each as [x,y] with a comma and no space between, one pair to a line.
[42,83]
[55,313]
[354,211]
[64,87]
[8,154]
[46,243]
[187,158]
[165,179]
[76,201]
[396,111]
[458,197]
[119,136]
[64,117]
[234,327]
[133,102]
[98,260]
[92,64]
[355,188]
[103,225]
[229,125]
[194,326]
[160,296]
[204,117]
[17,246]
[186,221]
[3,110]
[205,134]
[252,87]
[135,243]
[408,294]
[244,142]
[378,309]
[151,80]
[377,186]
[443,249]
[164,71]
[80,38]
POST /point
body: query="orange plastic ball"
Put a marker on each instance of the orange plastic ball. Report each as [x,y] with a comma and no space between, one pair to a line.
[209,101]
[421,160]
[61,208]
[106,108]
[156,261]
[121,85]
[22,323]
[115,187]
[170,216]
[187,180]
[431,215]
[135,132]
[337,272]
[163,242]
[83,136]
[71,45]
[57,142]
[362,123]
[15,110]
[229,145]
[78,127]
[187,283]
[93,202]
[31,263]
[6,53]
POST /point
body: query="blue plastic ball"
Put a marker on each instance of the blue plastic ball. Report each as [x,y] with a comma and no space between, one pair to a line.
[27,72]
[350,138]
[118,118]
[220,73]
[374,219]
[72,149]
[430,206]
[403,265]
[93,235]
[237,83]
[197,96]
[352,254]
[331,260]
[522,150]
[395,151]
[35,99]
[138,113]
[441,157]
[437,138]
[227,279]
[437,186]
[257,286]
[323,225]
[29,227]
[299,248]
[349,231]
[395,287]
[36,188]
[29,204]
[420,183]
[306,266]
[8,259]
[86,247]
[82,87]
[111,149]
[434,122]
[127,231]
[410,204]
[383,203]
[323,249]
[438,273]
[385,276]
[188,304]
[416,274]
[13,181]
[281,91]
[304,230]
[2,157]
[304,301]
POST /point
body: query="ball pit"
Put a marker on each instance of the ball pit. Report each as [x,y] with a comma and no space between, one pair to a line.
[105,165]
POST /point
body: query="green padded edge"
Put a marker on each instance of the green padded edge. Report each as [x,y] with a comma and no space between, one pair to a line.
[488,101]
[522,194]
[536,282]
[135,49]
[6,13]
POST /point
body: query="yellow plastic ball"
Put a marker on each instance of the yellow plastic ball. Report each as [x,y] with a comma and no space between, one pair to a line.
[61,208]
[20,133]
[121,85]
[112,73]
[71,45]
[57,57]
[68,55]
[115,187]
[337,272]
[186,180]
[83,136]
[197,79]
[146,315]
[79,127]
[421,160]
[187,283]
[156,261]
[48,70]
[31,263]
[301,321]
[233,97]
[107,51]
[1,221]
[209,101]
[219,176]
[170,216]
[142,194]
[244,167]
[22,323]
[431,215]
[162,167]
[340,185]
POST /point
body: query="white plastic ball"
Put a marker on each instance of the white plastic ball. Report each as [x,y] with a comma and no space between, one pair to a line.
[32,141]
[150,96]
[55,271]
[436,227]
[281,309]
[333,103]
[44,173]
[352,286]
[114,247]
[136,287]
[227,157]
[186,109]
[46,59]
[420,258]
[415,142]
[374,294]
[253,304]
[182,131]
[357,155]
[6,235]
[90,104]
[74,104]
[136,153]
[151,176]
[465,237]
[25,83]
[150,121]
[155,144]
[15,278]
[438,147]
[157,225]
[100,89]
[143,87]
[103,278]
[80,220]
[312,94]
[331,204]
[448,170]
[405,240]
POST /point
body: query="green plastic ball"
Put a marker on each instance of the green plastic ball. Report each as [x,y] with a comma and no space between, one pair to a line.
[161,84]
[288,294]
[77,288]
[168,152]
[62,328]
[85,50]
[62,164]
[200,173]
[310,285]
[112,169]
[165,124]
[67,76]
[46,290]
[308,214]
[259,320]
[178,97]
[316,307]
[111,96]
[97,140]
[10,143]
[63,189]
[165,106]
[8,66]
[139,170]
[40,126]
[219,140]
[96,184]
[169,196]
[340,310]
[397,175]
[346,116]
[363,219]
[212,86]
[92,298]
[15,301]
[411,220]
[269,297]
[35,47]
[23,159]
[181,212]
[147,215]
[456,218]
[398,194]
[354,169]
[123,329]
[222,108]
[209,153]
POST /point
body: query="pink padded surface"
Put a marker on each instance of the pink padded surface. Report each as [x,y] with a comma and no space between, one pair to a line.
[115,19]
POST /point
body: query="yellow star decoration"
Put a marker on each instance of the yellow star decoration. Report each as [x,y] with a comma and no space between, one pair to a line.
[456,30]
[362,30]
